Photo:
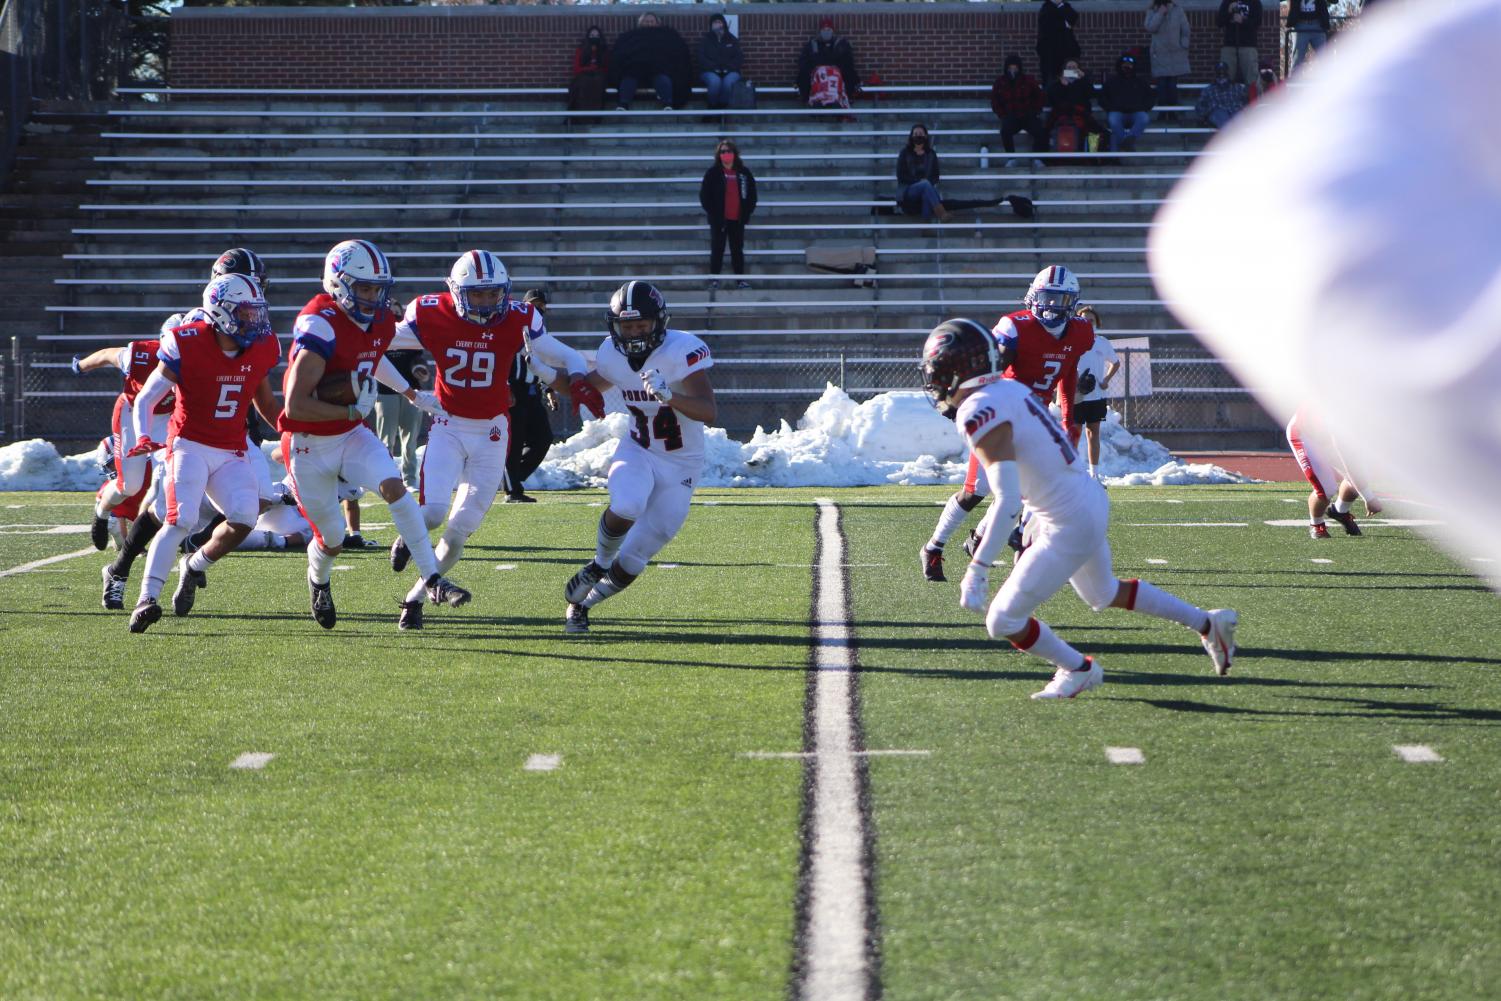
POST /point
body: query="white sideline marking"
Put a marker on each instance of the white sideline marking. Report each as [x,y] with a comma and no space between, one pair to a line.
[806,566]
[543,763]
[28,567]
[1170,501]
[669,566]
[1189,524]
[1125,756]
[252,760]
[14,507]
[375,524]
[343,566]
[835,967]
[1159,563]
[781,755]
[45,528]
[1416,754]
[1389,522]
[1320,561]
[505,566]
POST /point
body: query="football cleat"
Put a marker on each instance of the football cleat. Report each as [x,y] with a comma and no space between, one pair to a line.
[1066,684]
[1318,532]
[972,543]
[411,615]
[1219,638]
[581,583]
[576,622]
[322,596]
[114,590]
[146,614]
[442,591]
[932,564]
[188,583]
[400,554]
[520,499]
[354,540]
[1346,521]
[99,532]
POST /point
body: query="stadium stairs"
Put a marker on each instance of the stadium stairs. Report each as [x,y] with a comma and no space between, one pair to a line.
[114,213]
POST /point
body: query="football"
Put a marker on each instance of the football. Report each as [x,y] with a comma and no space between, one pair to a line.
[340,387]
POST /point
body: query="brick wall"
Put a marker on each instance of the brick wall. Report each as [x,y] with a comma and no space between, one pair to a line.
[942,43]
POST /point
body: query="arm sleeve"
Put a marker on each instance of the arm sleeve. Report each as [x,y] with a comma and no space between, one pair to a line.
[386,374]
[551,351]
[1005,481]
[156,387]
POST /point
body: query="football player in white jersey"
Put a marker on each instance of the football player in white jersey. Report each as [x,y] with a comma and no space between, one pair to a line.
[1025,452]
[663,375]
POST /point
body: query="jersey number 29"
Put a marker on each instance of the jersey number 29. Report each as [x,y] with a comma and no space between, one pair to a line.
[481,365]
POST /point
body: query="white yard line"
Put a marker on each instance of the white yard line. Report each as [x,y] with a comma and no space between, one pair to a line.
[1125,756]
[1320,561]
[1188,524]
[1416,754]
[28,567]
[804,755]
[505,566]
[543,763]
[835,961]
[251,761]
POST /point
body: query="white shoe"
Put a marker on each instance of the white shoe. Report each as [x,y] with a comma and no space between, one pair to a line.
[1219,638]
[1066,684]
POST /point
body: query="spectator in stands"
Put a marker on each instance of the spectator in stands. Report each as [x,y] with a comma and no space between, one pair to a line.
[719,61]
[826,75]
[531,428]
[397,422]
[651,51]
[1056,42]
[1071,106]
[1127,100]
[1241,20]
[1266,82]
[1222,99]
[728,195]
[591,62]
[1168,26]
[917,176]
[1017,101]
[1308,20]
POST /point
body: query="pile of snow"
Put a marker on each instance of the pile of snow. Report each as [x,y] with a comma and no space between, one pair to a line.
[894,438]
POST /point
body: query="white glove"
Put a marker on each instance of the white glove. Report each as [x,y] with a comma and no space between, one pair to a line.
[974,591]
[656,384]
[427,402]
[362,404]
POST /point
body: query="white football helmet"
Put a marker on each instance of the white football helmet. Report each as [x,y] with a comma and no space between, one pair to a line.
[476,270]
[235,305]
[357,261]
[1052,296]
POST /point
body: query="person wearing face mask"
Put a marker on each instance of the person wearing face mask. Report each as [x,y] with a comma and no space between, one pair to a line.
[1071,104]
[1221,100]
[1056,42]
[719,61]
[591,63]
[917,177]
[1168,26]
[1127,100]
[728,195]
[652,53]
[1017,100]
[826,75]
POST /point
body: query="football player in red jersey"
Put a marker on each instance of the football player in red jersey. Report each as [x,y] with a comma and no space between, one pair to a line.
[346,331]
[218,365]
[1041,345]
[474,332]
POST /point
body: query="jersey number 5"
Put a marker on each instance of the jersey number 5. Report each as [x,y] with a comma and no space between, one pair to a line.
[229,400]
[664,427]
[481,365]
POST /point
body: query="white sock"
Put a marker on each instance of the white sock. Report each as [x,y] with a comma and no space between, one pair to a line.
[407,514]
[948,523]
[450,547]
[1045,643]
[1340,505]
[606,545]
[1154,601]
[159,559]
[319,563]
[418,593]
[199,561]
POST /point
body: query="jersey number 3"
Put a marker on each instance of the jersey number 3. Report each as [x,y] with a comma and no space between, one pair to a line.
[664,427]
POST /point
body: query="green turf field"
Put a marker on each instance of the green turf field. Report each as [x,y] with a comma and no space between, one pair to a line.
[1272,845]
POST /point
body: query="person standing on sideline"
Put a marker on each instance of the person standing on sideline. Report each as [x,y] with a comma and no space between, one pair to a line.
[1096,369]
[728,195]
[719,62]
[397,421]
[531,428]
[1241,20]
[1056,42]
[1168,26]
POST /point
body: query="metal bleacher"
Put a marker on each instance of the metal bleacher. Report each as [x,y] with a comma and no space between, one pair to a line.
[578,202]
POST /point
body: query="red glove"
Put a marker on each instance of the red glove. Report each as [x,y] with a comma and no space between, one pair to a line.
[144,446]
[583,394]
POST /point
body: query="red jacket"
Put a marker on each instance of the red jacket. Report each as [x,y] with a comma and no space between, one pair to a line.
[1019,98]
[579,66]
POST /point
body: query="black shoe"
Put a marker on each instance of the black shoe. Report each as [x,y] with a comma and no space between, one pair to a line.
[581,583]
[411,615]
[324,612]
[520,499]
[354,540]
[400,554]
[1346,521]
[99,532]
[146,614]
[188,583]
[932,564]
[442,591]
[576,621]
[114,590]
[972,543]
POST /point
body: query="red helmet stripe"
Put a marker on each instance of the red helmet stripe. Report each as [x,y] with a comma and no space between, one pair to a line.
[375,258]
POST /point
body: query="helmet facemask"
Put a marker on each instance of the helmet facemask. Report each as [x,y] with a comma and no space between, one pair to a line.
[465,306]
[1052,306]
[237,308]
